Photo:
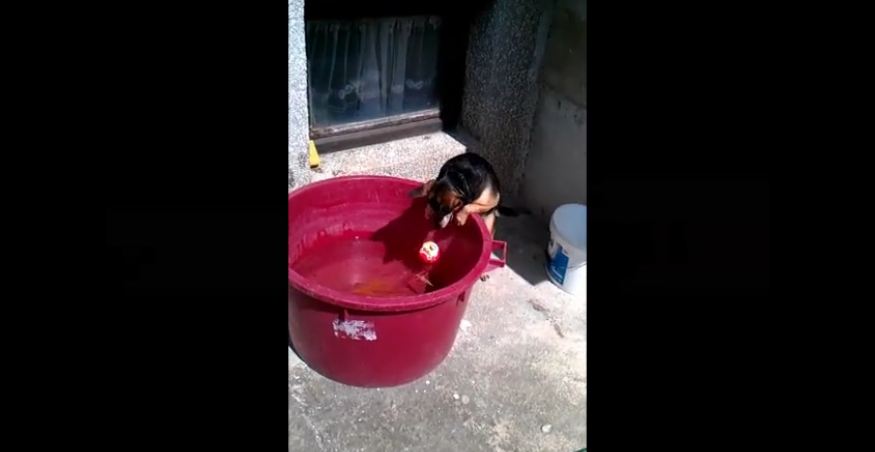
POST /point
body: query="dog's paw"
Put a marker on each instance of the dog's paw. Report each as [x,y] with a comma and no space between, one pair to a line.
[484,277]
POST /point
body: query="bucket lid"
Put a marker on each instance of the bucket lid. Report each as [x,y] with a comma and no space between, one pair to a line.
[569,221]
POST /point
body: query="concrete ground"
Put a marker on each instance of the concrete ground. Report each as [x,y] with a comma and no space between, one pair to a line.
[515,379]
[416,158]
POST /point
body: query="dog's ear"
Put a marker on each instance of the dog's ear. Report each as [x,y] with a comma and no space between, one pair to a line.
[422,190]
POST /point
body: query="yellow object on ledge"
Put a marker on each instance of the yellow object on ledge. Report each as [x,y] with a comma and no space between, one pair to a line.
[314,156]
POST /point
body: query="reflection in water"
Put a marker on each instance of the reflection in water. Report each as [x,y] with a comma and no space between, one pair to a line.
[358,267]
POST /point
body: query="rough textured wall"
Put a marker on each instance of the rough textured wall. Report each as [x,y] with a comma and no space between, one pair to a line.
[299,130]
[507,44]
[555,168]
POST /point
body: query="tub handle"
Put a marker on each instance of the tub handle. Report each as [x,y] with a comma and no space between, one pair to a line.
[497,245]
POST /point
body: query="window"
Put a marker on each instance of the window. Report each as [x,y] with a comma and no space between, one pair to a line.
[371,69]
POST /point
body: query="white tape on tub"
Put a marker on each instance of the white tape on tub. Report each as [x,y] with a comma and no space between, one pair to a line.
[357,330]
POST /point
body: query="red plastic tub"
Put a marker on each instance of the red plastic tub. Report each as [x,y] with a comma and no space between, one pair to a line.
[358,314]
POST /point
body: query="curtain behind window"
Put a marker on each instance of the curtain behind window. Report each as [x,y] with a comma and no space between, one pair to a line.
[371,68]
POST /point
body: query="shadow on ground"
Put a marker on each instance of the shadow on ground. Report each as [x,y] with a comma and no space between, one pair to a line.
[526,237]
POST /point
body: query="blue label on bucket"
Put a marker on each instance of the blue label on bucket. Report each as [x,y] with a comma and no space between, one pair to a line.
[558,262]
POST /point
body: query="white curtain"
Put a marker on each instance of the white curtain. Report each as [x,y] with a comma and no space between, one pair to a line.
[371,68]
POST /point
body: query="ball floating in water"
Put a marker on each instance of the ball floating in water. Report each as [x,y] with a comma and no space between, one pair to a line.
[429,253]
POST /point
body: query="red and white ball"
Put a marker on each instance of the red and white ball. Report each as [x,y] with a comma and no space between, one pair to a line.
[429,253]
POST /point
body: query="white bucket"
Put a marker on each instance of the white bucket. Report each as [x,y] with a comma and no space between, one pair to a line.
[566,252]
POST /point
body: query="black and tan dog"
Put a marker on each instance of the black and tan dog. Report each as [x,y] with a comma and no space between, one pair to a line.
[466,184]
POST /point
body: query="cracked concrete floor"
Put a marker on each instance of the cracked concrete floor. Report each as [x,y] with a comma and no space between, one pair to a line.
[515,379]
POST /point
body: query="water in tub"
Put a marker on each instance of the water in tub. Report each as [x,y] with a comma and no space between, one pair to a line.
[357,265]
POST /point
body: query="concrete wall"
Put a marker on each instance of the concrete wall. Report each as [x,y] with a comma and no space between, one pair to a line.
[506,46]
[299,124]
[555,166]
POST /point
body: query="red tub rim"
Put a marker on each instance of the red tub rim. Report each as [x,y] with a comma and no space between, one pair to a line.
[390,304]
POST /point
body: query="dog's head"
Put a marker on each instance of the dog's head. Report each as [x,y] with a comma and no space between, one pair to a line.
[443,200]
